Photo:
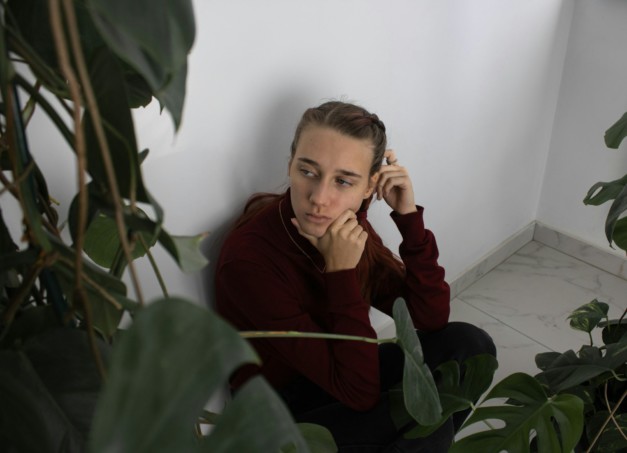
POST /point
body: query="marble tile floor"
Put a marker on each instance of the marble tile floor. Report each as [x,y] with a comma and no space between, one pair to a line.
[524,303]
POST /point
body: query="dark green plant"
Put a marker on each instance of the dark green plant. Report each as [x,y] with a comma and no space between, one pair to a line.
[85,64]
[578,398]
[602,192]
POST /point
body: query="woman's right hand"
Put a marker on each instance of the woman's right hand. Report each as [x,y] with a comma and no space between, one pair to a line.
[342,244]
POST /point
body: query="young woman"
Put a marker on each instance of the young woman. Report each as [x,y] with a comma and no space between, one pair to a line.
[308,260]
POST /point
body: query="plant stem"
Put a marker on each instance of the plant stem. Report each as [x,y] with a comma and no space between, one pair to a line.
[99,289]
[154,265]
[16,300]
[47,107]
[79,293]
[325,336]
[92,106]
[610,417]
[12,186]
[607,404]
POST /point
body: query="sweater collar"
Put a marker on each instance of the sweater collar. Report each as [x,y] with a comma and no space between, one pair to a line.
[295,241]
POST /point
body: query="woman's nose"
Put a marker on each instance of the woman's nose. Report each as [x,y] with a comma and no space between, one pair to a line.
[320,194]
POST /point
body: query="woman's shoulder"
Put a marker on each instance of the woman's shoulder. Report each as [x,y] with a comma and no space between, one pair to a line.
[257,235]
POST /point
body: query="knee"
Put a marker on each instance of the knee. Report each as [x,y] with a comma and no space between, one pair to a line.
[471,340]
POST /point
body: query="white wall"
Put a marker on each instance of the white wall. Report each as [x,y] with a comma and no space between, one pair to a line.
[467,89]
[593,96]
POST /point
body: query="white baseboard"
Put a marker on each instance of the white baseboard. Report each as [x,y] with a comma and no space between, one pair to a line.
[589,254]
[535,231]
[499,254]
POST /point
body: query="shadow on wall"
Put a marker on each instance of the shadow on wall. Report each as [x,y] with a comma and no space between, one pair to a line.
[265,171]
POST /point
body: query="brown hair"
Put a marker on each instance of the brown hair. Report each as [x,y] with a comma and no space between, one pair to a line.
[377,263]
[350,120]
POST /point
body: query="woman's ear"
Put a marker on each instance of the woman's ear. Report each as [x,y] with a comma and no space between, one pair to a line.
[372,184]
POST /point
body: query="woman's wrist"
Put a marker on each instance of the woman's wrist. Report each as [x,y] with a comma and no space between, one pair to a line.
[407,210]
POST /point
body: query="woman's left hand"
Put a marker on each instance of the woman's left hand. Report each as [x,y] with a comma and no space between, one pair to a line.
[394,185]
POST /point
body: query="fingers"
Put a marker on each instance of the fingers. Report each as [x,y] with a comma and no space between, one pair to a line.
[391,177]
[390,157]
[352,231]
[347,227]
[345,217]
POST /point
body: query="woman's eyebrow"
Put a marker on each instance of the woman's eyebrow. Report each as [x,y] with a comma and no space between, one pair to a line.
[315,164]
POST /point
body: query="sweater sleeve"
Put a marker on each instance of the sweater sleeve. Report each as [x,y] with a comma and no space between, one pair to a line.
[266,300]
[424,289]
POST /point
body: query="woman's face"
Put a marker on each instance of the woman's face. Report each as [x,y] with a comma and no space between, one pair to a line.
[329,173]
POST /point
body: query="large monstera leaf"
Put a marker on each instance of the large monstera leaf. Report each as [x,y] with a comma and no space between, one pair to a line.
[49,388]
[557,421]
[166,367]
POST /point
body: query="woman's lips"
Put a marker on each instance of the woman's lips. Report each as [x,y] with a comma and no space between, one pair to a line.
[319,219]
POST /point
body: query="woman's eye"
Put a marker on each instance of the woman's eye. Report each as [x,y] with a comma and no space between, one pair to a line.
[344,182]
[307,173]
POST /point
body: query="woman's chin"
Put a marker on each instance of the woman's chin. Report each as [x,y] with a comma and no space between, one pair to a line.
[314,230]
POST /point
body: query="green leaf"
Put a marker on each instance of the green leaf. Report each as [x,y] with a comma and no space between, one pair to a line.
[105,316]
[175,356]
[6,68]
[419,390]
[616,133]
[318,438]
[611,440]
[601,192]
[63,360]
[613,331]
[269,427]
[30,418]
[588,316]
[48,391]
[92,209]
[102,241]
[172,96]
[107,78]
[32,19]
[185,250]
[545,359]
[556,421]
[569,370]
[154,37]
[30,322]
[11,260]
[457,395]
[616,210]
[619,234]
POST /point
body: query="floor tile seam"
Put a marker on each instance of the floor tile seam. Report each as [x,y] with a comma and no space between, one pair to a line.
[587,263]
[506,324]
[485,274]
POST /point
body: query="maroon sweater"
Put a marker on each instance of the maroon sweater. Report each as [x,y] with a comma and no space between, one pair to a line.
[264,281]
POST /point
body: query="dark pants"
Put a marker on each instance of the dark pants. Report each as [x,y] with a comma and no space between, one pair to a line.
[373,430]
